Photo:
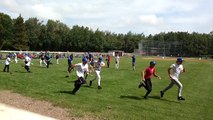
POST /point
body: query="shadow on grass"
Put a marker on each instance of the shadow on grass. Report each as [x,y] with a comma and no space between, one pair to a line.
[40,67]
[66,92]
[131,97]
[149,97]
[22,72]
[87,86]
[70,81]
[162,99]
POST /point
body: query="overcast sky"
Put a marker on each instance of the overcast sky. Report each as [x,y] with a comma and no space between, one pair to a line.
[119,16]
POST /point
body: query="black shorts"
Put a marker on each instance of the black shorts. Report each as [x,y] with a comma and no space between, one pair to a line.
[80,80]
[148,84]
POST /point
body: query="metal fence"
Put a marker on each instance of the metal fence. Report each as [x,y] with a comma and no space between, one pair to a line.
[153,48]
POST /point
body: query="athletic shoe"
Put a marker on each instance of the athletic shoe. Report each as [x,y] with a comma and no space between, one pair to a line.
[145,97]
[99,87]
[181,98]
[141,84]
[67,76]
[90,83]
[161,93]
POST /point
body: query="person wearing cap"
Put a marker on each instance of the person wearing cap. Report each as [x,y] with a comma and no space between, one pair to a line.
[146,78]
[82,72]
[90,62]
[174,72]
[7,64]
[98,66]
[70,65]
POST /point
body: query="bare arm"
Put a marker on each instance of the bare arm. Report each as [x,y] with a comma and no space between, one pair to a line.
[184,70]
[156,75]
[142,75]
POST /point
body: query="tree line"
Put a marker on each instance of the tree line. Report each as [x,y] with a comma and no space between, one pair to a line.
[34,35]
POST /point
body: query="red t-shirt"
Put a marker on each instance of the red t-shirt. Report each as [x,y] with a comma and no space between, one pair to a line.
[149,71]
[108,58]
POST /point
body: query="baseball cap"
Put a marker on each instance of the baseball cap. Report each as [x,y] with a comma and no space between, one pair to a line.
[84,59]
[100,58]
[179,59]
[152,63]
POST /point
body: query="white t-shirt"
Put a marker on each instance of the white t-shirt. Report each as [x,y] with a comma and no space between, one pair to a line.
[7,61]
[28,59]
[176,70]
[117,58]
[80,69]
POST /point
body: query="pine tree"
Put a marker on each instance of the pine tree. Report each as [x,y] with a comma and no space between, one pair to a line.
[20,35]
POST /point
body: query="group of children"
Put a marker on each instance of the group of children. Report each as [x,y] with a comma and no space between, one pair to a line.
[46,59]
[82,70]
[89,65]
[27,62]
[174,72]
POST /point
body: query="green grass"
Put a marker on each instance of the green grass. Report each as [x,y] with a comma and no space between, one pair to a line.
[120,98]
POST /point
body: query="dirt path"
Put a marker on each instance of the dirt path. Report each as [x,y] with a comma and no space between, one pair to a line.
[36,106]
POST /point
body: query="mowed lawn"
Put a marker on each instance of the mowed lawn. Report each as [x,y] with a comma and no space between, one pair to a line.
[120,98]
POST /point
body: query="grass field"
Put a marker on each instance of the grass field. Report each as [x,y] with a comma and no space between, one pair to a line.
[120,98]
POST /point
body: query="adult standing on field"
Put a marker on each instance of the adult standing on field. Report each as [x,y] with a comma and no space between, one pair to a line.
[174,72]
[82,72]
[146,78]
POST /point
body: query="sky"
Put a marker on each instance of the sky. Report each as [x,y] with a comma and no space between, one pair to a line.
[119,16]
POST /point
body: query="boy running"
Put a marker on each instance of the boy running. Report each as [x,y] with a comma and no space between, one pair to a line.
[7,64]
[174,72]
[70,66]
[47,59]
[27,63]
[98,66]
[42,59]
[146,78]
[81,69]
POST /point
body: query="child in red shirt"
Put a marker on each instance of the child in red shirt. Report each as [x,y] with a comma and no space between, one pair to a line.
[146,78]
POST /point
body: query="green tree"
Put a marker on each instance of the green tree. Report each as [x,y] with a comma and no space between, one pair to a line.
[33,28]
[20,35]
[6,33]
[42,38]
